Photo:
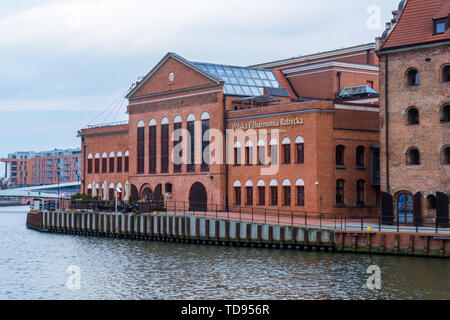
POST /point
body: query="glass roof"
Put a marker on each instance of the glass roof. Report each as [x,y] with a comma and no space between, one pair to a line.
[240,81]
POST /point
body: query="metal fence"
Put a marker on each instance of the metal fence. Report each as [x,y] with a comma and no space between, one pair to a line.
[260,215]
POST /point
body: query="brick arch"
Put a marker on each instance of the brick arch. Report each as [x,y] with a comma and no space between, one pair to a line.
[441,72]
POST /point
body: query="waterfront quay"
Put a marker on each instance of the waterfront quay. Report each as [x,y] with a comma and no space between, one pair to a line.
[250,230]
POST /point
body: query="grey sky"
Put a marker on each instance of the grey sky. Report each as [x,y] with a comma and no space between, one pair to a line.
[62,62]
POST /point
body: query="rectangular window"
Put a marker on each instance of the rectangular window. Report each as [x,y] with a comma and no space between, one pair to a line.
[237,196]
[140,150]
[152,149]
[191,147]
[177,167]
[261,196]
[237,156]
[249,196]
[300,153]
[274,154]
[111,165]
[300,196]
[165,148]
[274,196]
[119,164]
[89,165]
[287,196]
[261,155]
[205,145]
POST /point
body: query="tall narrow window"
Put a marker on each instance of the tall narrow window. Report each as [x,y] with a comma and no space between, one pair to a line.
[273,152]
[286,151]
[300,150]
[97,163]
[340,156]
[177,126]
[164,146]
[205,142]
[431,202]
[237,154]
[90,164]
[127,161]
[300,196]
[287,195]
[152,146]
[340,192]
[360,151]
[274,195]
[111,162]
[261,195]
[191,146]
[360,192]
[249,191]
[119,162]
[412,77]
[237,194]
[104,163]
[140,150]
[261,150]
[413,116]
[248,153]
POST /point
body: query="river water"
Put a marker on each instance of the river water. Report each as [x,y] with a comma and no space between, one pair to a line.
[36,265]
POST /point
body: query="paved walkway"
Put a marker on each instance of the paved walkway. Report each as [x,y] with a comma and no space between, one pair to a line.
[321,223]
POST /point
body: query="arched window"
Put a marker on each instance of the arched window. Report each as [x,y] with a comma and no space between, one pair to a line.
[261,148]
[127,161]
[413,116]
[360,192]
[248,153]
[119,190]
[412,157]
[445,155]
[119,161]
[360,151]
[165,145]
[446,73]
[97,163]
[300,188]
[300,150]
[140,147]
[340,156]
[261,193]
[431,202]
[111,162]
[273,192]
[249,193]
[191,143]
[286,151]
[104,162]
[89,189]
[340,192]
[446,113]
[178,138]
[152,146]
[237,153]
[90,156]
[237,193]
[205,141]
[111,192]
[412,77]
[273,151]
[286,192]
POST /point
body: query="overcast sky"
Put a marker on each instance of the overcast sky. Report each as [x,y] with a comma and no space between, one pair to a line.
[63,62]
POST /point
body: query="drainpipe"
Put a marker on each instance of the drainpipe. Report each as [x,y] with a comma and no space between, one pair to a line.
[386,114]
[339,73]
[84,165]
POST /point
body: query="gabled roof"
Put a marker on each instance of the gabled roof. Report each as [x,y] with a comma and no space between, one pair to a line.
[179,59]
[416,26]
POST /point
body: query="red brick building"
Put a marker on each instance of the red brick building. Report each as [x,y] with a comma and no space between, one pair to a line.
[415,112]
[261,137]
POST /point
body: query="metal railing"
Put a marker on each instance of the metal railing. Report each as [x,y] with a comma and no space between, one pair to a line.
[261,214]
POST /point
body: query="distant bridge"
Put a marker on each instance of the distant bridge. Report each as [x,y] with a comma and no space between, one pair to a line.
[49,191]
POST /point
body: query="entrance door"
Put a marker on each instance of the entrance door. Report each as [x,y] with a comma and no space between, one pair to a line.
[197,197]
[405,212]
[147,194]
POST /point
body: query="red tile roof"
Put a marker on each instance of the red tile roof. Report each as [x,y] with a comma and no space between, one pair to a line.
[416,25]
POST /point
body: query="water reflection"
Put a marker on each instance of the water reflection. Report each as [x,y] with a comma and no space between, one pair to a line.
[33,266]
